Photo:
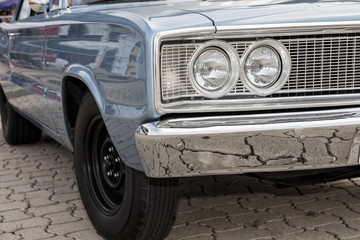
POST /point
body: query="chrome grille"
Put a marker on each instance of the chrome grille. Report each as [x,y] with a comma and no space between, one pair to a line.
[321,65]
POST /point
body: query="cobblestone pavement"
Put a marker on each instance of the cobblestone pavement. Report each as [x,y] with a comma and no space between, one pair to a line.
[39,199]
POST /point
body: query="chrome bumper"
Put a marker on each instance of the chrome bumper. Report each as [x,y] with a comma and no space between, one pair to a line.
[252,143]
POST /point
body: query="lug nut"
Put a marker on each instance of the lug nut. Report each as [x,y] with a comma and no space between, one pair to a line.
[111,149]
[106,157]
[116,175]
[109,173]
[117,160]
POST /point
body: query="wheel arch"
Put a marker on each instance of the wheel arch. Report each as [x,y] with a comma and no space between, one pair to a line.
[121,129]
[76,81]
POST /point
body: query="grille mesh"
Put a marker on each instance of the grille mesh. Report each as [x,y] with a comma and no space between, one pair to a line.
[321,65]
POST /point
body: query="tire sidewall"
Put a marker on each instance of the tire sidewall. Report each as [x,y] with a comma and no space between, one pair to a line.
[106,225]
[4,108]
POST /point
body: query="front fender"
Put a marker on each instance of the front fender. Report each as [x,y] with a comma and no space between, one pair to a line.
[86,75]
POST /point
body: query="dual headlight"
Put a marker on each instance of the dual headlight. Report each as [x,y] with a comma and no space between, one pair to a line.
[263,68]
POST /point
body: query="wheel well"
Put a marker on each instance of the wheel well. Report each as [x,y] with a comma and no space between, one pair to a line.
[73,92]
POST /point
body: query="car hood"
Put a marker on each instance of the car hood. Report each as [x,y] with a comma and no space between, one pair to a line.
[176,14]
[244,13]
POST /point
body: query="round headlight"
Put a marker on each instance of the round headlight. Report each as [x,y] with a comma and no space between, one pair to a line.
[265,67]
[214,69]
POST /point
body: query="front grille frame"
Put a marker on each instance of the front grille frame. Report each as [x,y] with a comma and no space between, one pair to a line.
[248,101]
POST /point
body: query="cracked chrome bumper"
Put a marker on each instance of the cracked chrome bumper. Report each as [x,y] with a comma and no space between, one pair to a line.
[252,143]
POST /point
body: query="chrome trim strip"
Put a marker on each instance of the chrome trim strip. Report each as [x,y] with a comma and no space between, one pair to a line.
[292,28]
[256,119]
[262,104]
[257,123]
[209,33]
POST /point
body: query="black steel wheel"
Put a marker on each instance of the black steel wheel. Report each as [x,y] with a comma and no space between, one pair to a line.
[121,202]
[16,129]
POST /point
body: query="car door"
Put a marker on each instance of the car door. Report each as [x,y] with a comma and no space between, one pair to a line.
[27,51]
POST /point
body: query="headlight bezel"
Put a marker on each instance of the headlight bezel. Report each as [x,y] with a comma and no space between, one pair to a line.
[234,61]
[285,59]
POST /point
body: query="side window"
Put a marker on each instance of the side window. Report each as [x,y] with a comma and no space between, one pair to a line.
[73,3]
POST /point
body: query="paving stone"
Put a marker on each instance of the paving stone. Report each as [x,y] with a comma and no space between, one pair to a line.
[66,197]
[203,237]
[320,191]
[14,215]
[213,201]
[35,233]
[311,220]
[78,203]
[41,201]
[354,224]
[23,189]
[10,236]
[257,218]
[8,178]
[12,206]
[286,211]
[16,183]
[318,206]
[61,217]
[85,235]
[340,230]
[220,224]
[66,228]
[265,203]
[60,207]
[183,206]
[80,213]
[233,209]
[5,199]
[23,224]
[344,213]
[242,233]
[308,234]
[5,192]
[280,228]
[61,238]
[203,214]
[14,172]
[345,199]
[190,230]
[38,194]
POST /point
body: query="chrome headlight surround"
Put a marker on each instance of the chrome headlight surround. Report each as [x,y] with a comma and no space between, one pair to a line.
[285,67]
[234,62]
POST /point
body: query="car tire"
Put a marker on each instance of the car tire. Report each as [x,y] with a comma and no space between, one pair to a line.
[16,129]
[123,204]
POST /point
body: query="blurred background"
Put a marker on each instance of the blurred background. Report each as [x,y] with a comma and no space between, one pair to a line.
[7,9]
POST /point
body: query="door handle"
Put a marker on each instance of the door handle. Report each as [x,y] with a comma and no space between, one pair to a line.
[12,36]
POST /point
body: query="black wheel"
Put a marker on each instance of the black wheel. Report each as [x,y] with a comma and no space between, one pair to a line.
[16,129]
[121,202]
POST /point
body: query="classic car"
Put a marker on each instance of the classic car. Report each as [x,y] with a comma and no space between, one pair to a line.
[146,92]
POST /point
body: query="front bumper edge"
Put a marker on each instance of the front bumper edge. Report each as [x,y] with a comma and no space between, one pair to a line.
[248,144]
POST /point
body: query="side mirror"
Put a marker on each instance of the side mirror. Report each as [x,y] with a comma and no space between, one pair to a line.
[38,5]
